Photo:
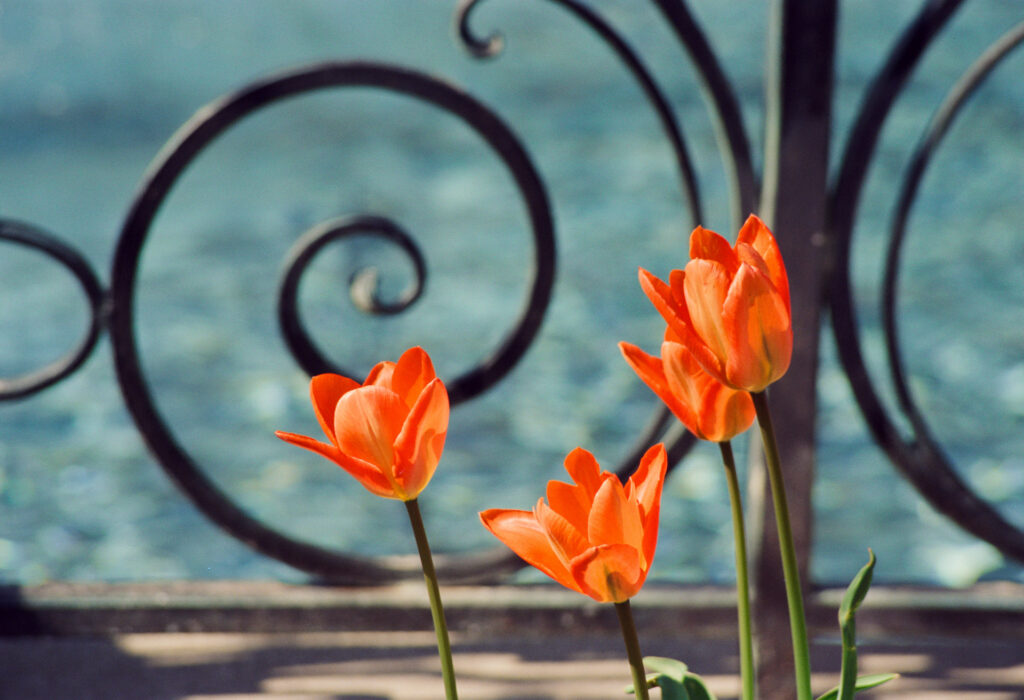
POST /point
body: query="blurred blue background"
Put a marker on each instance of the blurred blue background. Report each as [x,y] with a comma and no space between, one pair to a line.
[91,89]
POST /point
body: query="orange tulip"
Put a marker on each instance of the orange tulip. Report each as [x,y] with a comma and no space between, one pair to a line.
[594,536]
[709,409]
[730,306]
[387,432]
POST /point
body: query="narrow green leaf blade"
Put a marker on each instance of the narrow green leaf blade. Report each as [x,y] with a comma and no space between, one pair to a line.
[863,683]
[857,590]
[855,594]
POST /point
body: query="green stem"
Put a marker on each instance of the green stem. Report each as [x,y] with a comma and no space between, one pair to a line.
[742,576]
[848,669]
[636,660]
[790,571]
[444,647]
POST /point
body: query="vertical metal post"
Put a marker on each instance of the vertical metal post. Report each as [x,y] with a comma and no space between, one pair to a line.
[798,100]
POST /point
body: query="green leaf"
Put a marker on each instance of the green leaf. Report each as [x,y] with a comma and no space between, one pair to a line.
[857,590]
[675,680]
[863,683]
[855,594]
[660,665]
[671,689]
[695,688]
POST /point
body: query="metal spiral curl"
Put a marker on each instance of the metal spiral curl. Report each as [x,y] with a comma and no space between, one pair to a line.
[920,459]
[480,47]
[363,286]
[209,123]
[32,237]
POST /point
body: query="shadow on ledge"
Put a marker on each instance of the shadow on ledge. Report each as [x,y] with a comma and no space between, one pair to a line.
[228,640]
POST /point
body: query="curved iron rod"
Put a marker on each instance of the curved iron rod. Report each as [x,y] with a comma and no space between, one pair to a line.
[362,286]
[490,46]
[36,380]
[920,460]
[493,44]
[845,192]
[727,116]
[958,499]
[929,142]
[173,159]
[843,198]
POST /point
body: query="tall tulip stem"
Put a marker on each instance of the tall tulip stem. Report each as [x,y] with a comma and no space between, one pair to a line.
[790,570]
[444,646]
[742,576]
[636,660]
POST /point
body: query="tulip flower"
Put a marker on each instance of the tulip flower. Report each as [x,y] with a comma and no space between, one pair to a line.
[387,432]
[709,409]
[594,536]
[730,306]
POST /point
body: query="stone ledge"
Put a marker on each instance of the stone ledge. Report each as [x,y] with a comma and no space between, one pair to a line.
[67,609]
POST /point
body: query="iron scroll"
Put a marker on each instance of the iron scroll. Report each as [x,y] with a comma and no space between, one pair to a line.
[173,160]
[919,457]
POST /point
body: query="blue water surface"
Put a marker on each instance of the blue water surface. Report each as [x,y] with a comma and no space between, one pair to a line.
[90,90]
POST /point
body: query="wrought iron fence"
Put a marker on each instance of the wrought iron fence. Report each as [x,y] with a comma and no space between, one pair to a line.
[812,206]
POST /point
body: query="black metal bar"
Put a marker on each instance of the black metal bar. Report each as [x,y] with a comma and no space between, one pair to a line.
[919,459]
[29,236]
[928,467]
[493,44]
[678,441]
[798,90]
[728,118]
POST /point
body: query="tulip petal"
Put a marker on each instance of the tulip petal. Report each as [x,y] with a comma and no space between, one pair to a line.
[756,234]
[614,519]
[671,309]
[708,245]
[671,303]
[649,480]
[367,421]
[381,374]
[759,331]
[571,502]
[523,534]
[707,285]
[421,441]
[671,336]
[412,373]
[685,379]
[321,448]
[677,284]
[367,475]
[566,541]
[584,470]
[748,255]
[725,412]
[651,371]
[719,412]
[324,392]
[610,573]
